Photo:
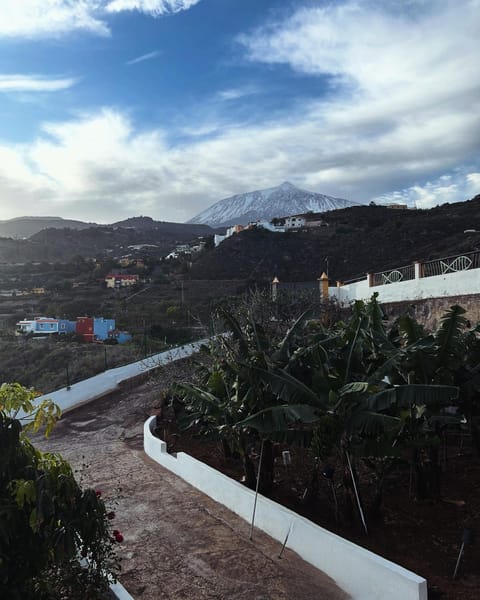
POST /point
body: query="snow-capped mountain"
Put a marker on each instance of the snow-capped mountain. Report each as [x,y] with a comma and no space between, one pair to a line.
[281,201]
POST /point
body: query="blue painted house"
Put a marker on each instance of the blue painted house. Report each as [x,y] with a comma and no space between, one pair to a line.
[44,326]
[102,328]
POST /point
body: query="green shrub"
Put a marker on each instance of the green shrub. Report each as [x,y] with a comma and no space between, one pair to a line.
[47,521]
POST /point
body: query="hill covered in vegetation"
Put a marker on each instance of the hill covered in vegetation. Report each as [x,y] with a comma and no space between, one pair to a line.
[357,240]
[56,244]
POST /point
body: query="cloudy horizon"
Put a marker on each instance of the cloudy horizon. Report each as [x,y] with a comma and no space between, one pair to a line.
[116,108]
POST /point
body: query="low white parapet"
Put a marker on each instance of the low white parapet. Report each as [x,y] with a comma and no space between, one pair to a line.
[107,382]
[361,573]
[120,592]
[459,283]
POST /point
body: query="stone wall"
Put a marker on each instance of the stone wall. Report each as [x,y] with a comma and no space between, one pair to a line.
[429,310]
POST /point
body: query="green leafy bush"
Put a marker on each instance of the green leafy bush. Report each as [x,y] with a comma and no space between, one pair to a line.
[47,521]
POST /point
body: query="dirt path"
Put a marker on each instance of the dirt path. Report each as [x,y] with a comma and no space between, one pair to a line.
[178,542]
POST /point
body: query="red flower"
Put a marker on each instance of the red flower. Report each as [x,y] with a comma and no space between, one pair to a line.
[119,538]
[111,515]
[115,532]
[98,493]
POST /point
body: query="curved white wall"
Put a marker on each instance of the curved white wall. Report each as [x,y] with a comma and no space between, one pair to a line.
[364,575]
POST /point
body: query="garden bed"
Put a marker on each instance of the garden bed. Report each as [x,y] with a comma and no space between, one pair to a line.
[424,537]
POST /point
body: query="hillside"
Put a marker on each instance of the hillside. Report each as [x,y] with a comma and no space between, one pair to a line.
[165,227]
[24,227]
[63,244]
[357,240]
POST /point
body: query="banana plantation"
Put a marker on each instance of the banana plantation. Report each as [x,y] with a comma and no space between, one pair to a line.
[348,413]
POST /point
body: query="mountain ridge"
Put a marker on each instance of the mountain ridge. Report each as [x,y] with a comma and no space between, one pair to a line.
[29,227]
[266,204]
[26,226]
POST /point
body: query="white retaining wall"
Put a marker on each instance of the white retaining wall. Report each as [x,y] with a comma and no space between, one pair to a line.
[362,574]
[120,592]
[459,283]
[108,381]
[104,383]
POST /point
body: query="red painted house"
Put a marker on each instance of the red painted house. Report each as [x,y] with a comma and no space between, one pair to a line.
[84,328]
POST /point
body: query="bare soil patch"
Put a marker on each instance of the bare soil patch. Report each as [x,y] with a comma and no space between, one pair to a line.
[424,537]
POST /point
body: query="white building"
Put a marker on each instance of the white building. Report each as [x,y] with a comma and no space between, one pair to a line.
[294,222]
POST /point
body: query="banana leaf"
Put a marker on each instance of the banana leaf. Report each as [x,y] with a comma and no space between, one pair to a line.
[282,355]
[289,388]
[404,396]
[281,418]
[371,424]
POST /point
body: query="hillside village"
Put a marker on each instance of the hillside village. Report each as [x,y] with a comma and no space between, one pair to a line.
[154,302]
[87,329]
[346,243]
[295,222]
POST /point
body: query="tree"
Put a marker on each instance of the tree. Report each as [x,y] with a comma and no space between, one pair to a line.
[47,521]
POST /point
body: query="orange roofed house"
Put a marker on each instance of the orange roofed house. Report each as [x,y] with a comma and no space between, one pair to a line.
[118,281]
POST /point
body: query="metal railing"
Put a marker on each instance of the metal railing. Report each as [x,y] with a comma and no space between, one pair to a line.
[394,275]
[354,280]
[298,285]
[451,264]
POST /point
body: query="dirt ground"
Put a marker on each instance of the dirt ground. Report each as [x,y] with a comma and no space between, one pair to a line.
[178,543]
[423,536]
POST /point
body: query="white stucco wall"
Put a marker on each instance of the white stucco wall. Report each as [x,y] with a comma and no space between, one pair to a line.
[120,592]
[108,381]
[440,286]
[364,575]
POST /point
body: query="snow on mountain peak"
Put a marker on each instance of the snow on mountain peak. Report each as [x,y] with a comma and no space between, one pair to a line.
[283,200]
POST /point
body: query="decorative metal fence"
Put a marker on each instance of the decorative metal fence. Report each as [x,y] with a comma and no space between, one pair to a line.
[394,275]
[451,264]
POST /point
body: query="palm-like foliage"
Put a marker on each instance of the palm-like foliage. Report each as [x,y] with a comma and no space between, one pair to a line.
[382,391]
[233,391]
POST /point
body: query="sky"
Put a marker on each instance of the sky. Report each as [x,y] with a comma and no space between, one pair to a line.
[118,108]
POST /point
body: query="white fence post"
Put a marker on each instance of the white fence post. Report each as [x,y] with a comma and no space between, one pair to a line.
[418,269]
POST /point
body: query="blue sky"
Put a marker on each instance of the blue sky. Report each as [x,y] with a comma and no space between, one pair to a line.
[115,108]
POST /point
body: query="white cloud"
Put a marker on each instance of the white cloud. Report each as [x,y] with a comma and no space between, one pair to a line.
[34,83]
[237,93]
[376,56]
[99,167]
[473,181]
[404,102]
[375,48]
[446,188]
[403,115]
[45,18]
[143,57]
[151,7]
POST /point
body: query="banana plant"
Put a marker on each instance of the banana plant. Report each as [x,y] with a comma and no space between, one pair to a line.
[233,391]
